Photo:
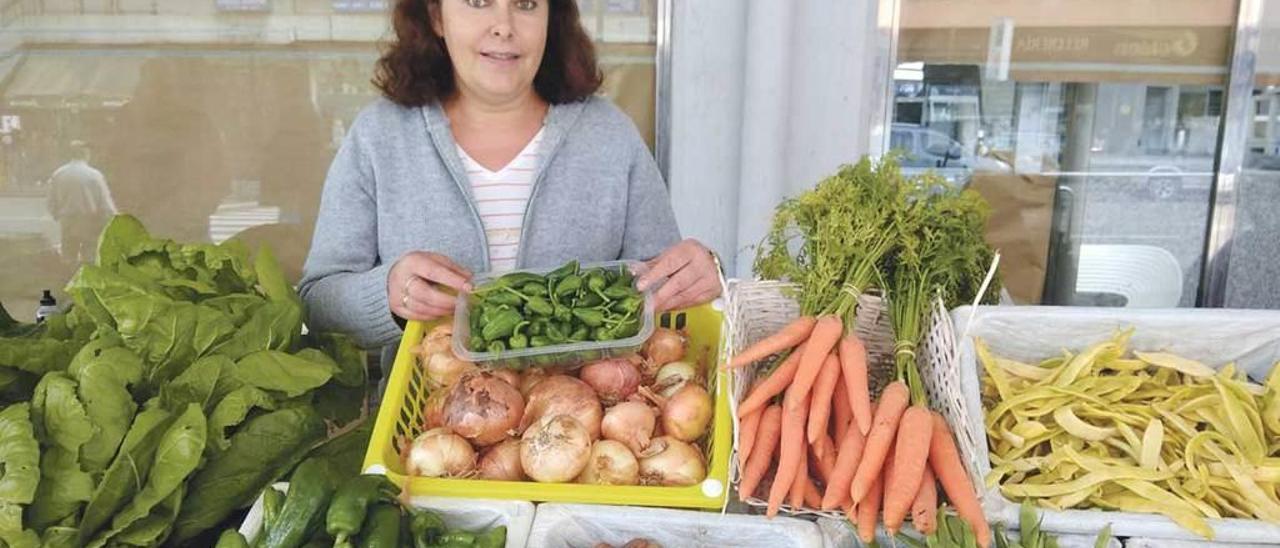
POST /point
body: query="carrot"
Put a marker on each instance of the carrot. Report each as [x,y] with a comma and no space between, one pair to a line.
[823,338]
[747,429]
[812,498]
[924,510]
[847,459]
[841,414]
[796,497]
[789,336]
[772,385]
[911,456]
[944,458]
[826,458]
[893,402]
[853,364]
[868,510]
[790,451]
[762,452]
[820,405]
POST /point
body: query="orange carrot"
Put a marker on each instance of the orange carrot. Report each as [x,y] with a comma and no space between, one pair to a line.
[924,510]
[841,414]
[790,451]
[812,498]
[826,459]
[823,338]
[944,458]
[847,459]
[772,385]
[789,336]
[868,510]
[853,365]
[796,497]
[893,402]
[762,452]
[820,405]
[911,456]
[747,429]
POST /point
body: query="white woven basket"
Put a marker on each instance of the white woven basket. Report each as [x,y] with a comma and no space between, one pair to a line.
[757,309]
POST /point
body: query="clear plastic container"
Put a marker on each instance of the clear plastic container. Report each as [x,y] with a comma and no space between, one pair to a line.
[559,354]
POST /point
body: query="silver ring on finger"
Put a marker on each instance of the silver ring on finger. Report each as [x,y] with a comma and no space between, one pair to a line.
[404,293]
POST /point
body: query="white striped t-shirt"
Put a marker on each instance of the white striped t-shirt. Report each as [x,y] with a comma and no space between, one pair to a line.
[501,198]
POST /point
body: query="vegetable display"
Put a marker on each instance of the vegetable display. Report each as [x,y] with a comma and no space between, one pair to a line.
[361,512]
[567,305]
[1121,429]
[615,421]
[953,532]
[178,385]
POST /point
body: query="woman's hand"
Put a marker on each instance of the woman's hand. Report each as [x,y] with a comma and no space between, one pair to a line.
[415,286]
[693,276]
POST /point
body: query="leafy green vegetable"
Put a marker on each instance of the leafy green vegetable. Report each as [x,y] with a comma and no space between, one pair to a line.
[19,455]
[153,529]
[231,411]
[275,325]
[57,414]
[284,373]
[128,471]
[261,451]
[63,488]
[196,384]
[104,378]
[345,452]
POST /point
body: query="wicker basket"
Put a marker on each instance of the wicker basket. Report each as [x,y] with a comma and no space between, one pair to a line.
[757,309]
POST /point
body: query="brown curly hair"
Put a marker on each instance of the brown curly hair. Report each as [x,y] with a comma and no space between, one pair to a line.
[415,69]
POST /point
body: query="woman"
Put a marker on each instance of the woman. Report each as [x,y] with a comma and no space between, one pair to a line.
[489,152]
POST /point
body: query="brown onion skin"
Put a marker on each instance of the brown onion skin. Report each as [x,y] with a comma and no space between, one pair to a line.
[664,346]
[483,408]
[635,436]
[501,462]
[613,379]
[562,394]
[433,468]
[433,410]
[610,463]
[555,450]
[687,413]
[668,455]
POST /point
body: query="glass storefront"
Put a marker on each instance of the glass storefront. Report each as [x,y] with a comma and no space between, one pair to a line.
[208,120]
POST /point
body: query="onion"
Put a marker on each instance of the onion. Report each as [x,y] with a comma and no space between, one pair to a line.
[442,367]
[502,462]
[439,339]
[664,346]
[433,410]
[631,423]
[555,449]
[610,463]
[564,395]
[483,408]
[673,464]
[511,376]
[613,379]
[439,452]
[687,413]
[530,379]
[673,376]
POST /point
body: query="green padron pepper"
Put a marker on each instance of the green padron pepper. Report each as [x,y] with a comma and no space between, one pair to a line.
[629,305]
[351,504]
[495,347]
[477,343]
[596,281]
[518,341]
[502,325]
[517,279]
[508,298]
[580,334]
[562,313]
[588,316]
[537,326]
[555,334]
[539,306]
[566,269]
[618,292]
[539,341]
[590,300]
[569,285]
[382,528]
[534,289]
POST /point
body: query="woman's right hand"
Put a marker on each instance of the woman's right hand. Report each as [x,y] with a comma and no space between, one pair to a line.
[415,286]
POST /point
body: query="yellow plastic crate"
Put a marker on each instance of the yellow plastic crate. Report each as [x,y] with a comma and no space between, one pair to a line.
[400,420]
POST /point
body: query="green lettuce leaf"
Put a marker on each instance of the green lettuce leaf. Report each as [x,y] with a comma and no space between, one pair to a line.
[12,535]
[274,325]
[57,414]
[104,375]
[19,455]
[196,384]
[155,528]
[63,489]
[127,472]
[280,372]
[231,411]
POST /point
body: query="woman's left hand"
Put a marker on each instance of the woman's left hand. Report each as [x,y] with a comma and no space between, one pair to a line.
[693,277]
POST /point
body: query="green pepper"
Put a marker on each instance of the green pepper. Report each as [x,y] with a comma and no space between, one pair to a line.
[351,504]
[539,306]
[593,318]
[517,279]
[495,347]
[566,269]
[502,325]
[562,313]
[539,341]
[302,514]
[618,292]
[518,341]
[580,334]
[537,326]
[596,281]
[493,538]
[555,334]
[534,289]
[590,300]
[232,538]
[629,305]
[457,538]
[476,344]
[568,286]
[509,298]
[382,528]
[625,278]
[426,528]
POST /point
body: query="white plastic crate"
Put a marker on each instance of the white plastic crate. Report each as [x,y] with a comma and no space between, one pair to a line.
[1249,338]
[586,525]
[467,514]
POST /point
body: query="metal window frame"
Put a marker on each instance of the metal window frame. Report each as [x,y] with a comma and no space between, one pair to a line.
[662,91]
[1232,146]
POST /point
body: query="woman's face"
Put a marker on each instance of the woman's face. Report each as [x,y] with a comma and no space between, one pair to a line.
[496,45]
